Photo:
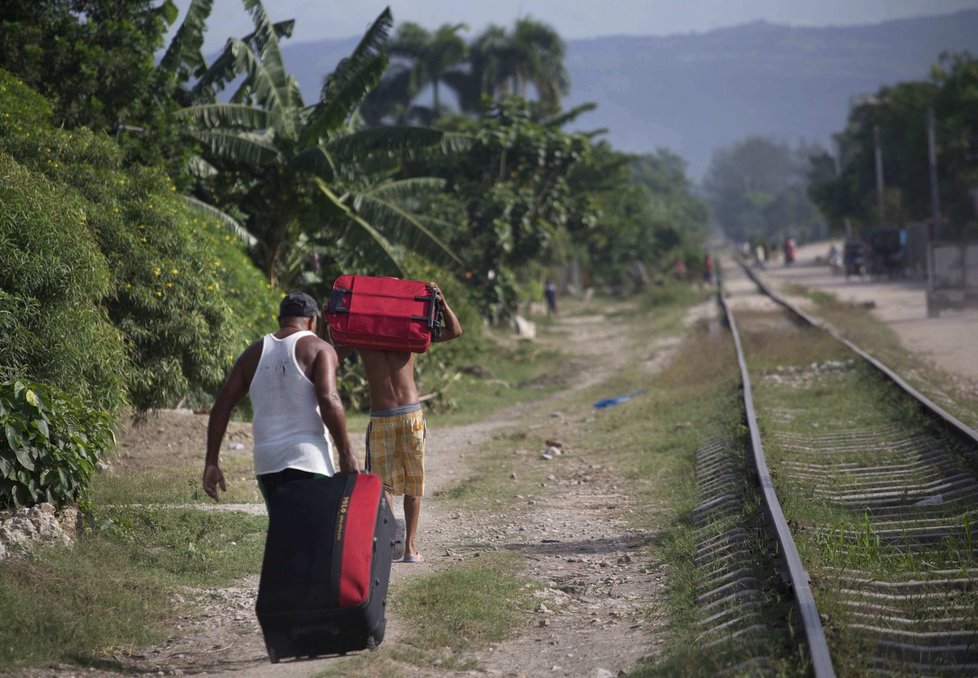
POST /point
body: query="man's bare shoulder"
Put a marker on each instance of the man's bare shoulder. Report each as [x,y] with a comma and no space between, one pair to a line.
[253,352]
[314,344]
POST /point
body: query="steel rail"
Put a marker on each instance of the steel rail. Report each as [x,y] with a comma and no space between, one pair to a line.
[818,648]
[936,410]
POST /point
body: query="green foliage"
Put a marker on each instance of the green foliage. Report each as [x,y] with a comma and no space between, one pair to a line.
[115,587]
[95,61]
[53,280]
[51,443]
[509,195]
[896,115]
[124,290]
[648,216]
[758,189]
[302,177]
[252,300]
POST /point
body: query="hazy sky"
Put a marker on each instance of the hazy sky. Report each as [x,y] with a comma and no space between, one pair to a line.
[317,19]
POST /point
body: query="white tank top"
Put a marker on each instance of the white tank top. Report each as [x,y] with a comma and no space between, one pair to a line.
[288,428]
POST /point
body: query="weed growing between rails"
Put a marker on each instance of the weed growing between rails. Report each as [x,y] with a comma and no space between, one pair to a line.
[879,499]
[856,323]
[653,440]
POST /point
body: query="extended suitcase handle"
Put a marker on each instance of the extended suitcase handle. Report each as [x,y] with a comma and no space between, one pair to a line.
[434,312]
[336,301]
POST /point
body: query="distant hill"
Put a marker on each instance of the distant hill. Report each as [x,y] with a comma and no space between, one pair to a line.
[694,93]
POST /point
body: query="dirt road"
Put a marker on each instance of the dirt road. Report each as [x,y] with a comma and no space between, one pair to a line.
[596,592]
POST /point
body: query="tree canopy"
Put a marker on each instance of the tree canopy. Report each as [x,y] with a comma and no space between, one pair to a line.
[757,189]
[897,116]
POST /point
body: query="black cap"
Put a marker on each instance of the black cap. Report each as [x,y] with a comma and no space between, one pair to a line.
[297,304]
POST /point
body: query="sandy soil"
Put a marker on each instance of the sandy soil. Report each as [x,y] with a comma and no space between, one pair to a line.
[949,342]
[593,616]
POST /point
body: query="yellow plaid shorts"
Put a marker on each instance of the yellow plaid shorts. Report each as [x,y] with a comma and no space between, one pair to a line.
[395,451]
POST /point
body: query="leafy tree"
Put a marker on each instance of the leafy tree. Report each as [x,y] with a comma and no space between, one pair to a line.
[114,293]
[647,216]
[297,173]
[508,63]
[497,64]
[433,58]
[510,196]
[896,116]
[758,189]
[956,112]
[95,61]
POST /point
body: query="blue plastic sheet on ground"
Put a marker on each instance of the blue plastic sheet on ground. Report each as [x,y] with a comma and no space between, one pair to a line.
[610,402]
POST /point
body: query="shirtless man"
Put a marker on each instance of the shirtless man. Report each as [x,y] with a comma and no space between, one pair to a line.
[396,433]
[291,378]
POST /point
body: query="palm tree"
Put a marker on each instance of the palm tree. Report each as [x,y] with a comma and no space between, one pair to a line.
[278,161]
[422,59]
[541,52]
[509,63]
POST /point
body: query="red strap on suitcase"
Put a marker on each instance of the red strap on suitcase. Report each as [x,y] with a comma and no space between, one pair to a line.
[387,314]
[355,530]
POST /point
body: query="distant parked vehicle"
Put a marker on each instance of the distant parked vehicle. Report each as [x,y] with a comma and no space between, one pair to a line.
[854,258]
[888,252]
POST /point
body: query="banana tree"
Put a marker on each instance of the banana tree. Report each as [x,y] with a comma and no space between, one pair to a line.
[293,169]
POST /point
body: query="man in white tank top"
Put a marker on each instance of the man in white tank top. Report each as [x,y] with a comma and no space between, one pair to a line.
[290,376]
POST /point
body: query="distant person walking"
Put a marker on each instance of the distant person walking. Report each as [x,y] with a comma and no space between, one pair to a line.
[708,270]
[397,432]
[679,269]
[550,294]
[290,376]
[790,250]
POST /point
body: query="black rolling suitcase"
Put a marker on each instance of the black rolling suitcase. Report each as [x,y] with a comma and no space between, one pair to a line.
[327,564]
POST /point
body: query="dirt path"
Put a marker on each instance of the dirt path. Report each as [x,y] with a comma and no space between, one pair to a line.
[592,619]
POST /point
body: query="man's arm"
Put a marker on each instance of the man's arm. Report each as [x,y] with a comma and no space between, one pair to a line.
[232,392]
[452,328]
[341,351]
[331,406]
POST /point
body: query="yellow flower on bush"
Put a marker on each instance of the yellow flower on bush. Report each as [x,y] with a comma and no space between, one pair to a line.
[156,271]
[174,271]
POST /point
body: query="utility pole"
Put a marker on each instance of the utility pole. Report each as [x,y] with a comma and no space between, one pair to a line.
[879,174]
[935,196]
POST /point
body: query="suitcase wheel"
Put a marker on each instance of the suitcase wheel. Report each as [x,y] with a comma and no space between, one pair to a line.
[278,646]
[371,643]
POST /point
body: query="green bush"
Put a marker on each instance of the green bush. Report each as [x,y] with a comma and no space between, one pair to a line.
[50,445]
[182,302]
[53,279]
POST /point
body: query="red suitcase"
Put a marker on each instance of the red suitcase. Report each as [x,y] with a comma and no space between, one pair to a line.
[324,577]
[388,314]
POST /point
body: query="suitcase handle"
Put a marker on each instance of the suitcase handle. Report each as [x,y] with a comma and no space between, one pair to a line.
[434,311]
[336,301]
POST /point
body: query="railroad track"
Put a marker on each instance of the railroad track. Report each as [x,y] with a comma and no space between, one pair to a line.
[868,496]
